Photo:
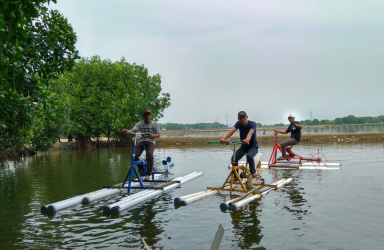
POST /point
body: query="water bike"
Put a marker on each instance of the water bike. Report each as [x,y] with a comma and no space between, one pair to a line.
[239,180]
[139,169]
[294,161]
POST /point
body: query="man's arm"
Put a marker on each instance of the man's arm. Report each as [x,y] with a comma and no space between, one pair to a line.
[298,125]
[154,135]
[124,131]
[280,132]
[156,130]
[229,134]
[249,136]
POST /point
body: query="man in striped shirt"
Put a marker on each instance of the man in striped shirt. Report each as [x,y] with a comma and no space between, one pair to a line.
[150,131]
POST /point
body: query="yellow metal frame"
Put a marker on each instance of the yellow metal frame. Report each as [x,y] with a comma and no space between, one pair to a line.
[233,180]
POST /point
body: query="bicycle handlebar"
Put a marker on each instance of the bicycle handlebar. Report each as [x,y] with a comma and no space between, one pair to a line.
[135,133]
[276,139]
[232,143]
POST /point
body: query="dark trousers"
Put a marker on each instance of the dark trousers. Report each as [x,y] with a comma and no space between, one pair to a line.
[288,142]
[149,148]
[251,152]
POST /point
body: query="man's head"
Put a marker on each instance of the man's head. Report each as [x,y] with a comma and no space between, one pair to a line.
[291,117]
[241,114]
[242,117]
[147,116]
[147,112]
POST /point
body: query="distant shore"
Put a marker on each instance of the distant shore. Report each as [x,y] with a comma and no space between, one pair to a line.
[174,138]
[269,139]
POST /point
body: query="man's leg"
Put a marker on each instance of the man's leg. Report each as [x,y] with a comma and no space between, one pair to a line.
[139,151]
[287,142]
[238,155]
[250,154]
[149,149]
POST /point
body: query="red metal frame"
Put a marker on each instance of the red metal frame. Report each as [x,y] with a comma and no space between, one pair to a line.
[290,155]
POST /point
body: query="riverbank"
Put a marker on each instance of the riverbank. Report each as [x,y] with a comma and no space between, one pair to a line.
[176,139]
[269,139]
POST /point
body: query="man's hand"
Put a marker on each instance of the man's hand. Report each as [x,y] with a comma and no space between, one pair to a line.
[245,141]
[223,141]
[124,131]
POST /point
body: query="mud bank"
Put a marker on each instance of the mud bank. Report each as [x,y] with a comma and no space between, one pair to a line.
[269,139]
[177,139]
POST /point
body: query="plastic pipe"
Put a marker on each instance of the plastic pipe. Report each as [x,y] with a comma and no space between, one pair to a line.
[188,178]
[127,203]
[96,196]
[178,200]
[107,209]
[88,198]
[85,198]
[130,203]
[242,202]
[198,197]
[52,208]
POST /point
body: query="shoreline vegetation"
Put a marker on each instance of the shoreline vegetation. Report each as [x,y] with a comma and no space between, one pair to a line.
[188,138]
[201,137]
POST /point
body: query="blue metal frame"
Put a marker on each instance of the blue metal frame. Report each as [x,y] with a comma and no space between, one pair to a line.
[132,169]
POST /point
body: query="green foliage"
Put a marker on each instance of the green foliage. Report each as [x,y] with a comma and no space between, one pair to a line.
[178,126]
[317,122]
[279,125]
[104,96]
[359,120]
[345,120]
[35,46]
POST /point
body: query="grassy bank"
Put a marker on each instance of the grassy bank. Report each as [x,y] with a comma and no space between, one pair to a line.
[269,139]
[176,138]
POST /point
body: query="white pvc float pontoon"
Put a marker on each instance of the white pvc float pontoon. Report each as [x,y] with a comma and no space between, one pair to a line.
[85,198]
[295,165]
[107,209]
[186,199]
[130,201]
[110,191]
[235,204]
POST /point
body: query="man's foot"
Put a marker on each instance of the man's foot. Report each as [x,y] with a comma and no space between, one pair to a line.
[254,175]
[282,158]
[147,178]
[140,170]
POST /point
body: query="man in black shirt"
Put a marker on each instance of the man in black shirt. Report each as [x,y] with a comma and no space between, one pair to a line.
[248,139]
[295,129]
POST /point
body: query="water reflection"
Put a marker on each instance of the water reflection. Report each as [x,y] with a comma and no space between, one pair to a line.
[246,226]
[147,227]
[282,214]
[294,190]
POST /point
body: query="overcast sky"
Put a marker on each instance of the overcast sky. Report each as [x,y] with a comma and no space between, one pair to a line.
[268,58]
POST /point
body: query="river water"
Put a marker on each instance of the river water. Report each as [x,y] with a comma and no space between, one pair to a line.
[320,209]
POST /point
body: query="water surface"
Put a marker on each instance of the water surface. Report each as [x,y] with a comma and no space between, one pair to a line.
[320,209]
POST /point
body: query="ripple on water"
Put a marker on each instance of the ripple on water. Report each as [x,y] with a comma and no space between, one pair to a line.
[338,209]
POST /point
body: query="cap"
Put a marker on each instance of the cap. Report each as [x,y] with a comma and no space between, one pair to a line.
[241,113]
[147,112]
[291,115]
